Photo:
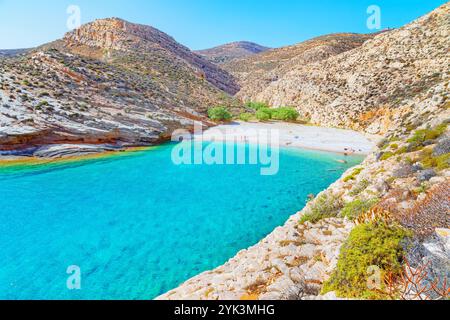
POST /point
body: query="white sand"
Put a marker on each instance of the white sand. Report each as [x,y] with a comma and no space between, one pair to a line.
[300,136]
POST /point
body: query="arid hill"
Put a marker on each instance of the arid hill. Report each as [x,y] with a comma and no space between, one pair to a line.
[230,51]
[109,81]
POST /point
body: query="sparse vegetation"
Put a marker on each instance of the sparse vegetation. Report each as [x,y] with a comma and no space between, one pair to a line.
[325,206]
[429,161]
[257,105]
[353,175]
[353,209]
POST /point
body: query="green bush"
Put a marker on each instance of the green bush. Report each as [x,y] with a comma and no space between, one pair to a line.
[42,104]
[285,114]
[263,115]
[387,156]
[246,117]
[420,136]
[354,174]
[359,187]
[256,105]
[429,161]
[373,244]
[219,113]
[325,206]
[353,210]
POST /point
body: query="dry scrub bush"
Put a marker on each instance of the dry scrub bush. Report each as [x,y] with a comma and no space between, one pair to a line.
[431,213]
[413,284]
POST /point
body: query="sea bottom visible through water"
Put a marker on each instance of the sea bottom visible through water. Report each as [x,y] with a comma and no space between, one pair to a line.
[138,225]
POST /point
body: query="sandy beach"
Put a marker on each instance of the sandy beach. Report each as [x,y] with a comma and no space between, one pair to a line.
[299,136]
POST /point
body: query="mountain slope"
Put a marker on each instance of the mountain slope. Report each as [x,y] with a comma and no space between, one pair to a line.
[108,82]
[231,51]
[257,72]
[369,87]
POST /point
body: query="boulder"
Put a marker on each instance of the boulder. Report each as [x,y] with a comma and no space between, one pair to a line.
[426,175]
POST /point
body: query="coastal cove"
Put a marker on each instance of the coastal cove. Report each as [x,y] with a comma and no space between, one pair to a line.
[155,232]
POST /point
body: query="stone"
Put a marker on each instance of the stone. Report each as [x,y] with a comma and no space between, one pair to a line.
[442,147]
[426,175]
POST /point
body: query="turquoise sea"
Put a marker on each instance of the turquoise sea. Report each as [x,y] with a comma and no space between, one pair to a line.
[139,225]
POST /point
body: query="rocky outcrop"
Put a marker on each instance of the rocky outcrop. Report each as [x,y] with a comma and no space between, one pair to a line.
[230,51]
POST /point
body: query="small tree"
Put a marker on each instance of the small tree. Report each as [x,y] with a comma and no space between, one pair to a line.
[219,113]
[256,105]
[246,117]
[263,115]
[285,114]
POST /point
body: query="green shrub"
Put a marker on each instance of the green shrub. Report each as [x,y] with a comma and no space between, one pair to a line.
[246,117]
[42,104]
[219,113]
[285,114]
[373,244]
[360,187]
[429,161]
[402,150]
[353,210]
[263,115]
[420,136]
[256,105]
[354,174]
[325,206]
[387,155]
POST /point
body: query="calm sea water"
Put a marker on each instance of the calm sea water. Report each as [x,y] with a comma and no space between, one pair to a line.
[138,226]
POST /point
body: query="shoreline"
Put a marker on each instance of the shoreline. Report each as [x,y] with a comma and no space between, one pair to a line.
[295,136]
[292,135]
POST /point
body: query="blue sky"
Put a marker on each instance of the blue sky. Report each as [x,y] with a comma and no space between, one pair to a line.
[201,24]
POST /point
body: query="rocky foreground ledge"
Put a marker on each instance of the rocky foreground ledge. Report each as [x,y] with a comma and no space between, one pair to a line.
[279,267]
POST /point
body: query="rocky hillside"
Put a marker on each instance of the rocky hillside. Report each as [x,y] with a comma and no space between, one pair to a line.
[109,82]
[257,72]
[369,87]
[231,51]
[12,52]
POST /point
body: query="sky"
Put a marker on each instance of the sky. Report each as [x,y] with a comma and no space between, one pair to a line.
[201,24]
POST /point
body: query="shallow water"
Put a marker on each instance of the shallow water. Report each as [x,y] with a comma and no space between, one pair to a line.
[138,225]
